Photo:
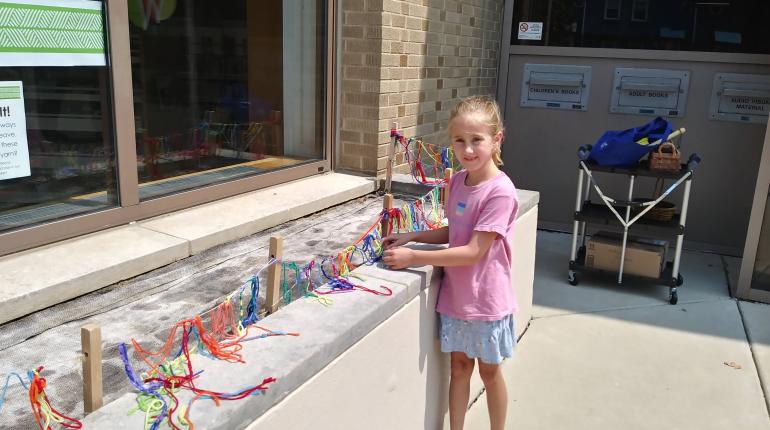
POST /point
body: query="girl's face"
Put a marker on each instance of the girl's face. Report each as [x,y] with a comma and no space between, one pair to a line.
[473,142]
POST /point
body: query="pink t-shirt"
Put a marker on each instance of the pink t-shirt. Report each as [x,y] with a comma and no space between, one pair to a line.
[482,291]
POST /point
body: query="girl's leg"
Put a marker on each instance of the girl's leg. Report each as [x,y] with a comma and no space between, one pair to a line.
[459,388]
[497,396]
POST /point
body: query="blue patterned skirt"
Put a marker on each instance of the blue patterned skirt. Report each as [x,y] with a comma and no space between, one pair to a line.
[489,341]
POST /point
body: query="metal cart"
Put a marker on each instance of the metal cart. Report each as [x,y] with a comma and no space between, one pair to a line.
[609,213]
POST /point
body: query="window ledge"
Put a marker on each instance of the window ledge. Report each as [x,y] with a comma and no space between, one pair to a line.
[41,277]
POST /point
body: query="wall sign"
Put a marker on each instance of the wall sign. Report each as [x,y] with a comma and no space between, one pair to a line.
[650,92]
[555,86]
[14,153]
[739,97]
[530,30]
[51,33]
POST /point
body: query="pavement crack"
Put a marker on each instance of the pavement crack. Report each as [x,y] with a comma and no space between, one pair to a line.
[762,383]
[727,275]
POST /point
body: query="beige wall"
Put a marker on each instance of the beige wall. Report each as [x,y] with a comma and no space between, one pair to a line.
[396,377]
[408,62]
[543,157]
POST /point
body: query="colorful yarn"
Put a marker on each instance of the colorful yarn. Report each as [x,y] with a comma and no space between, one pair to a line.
[440,157]
[165,377]
[41,406]
[7,384]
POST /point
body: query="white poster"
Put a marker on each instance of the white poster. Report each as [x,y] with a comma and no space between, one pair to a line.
[14,153]
[530,30]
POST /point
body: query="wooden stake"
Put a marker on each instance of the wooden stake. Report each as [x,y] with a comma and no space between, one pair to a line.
[387,204]
[91,341]
[447,177]
[273,294]
[391,162]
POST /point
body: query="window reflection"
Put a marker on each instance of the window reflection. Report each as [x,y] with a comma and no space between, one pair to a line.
[63,85]
[225,90]
[684,25]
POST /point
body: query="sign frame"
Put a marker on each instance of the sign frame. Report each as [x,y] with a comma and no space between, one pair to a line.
[741,84]
[651,81]
[562,77]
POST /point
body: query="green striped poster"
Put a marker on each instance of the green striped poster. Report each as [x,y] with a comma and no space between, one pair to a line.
[52,33]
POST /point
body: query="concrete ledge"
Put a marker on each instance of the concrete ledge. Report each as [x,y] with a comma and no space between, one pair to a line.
[38,278]
[326,333]
[364,357]
[236,217]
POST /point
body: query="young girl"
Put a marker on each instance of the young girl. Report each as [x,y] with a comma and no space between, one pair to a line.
[476,301]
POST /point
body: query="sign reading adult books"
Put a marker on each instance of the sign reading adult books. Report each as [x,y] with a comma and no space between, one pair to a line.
[52,33]
[14,153]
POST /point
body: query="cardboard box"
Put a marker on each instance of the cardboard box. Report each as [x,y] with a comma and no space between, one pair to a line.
[644,257]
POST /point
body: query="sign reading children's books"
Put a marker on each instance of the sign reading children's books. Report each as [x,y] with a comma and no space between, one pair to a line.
[14,153]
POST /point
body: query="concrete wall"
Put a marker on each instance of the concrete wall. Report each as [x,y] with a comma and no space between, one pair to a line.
[396,377]
[541,156]
[366,362]
[408,62]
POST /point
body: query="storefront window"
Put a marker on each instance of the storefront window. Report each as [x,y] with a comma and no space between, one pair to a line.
[224,90]
[738,26]
[57,152]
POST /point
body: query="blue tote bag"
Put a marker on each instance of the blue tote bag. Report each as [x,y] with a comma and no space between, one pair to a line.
[626,147]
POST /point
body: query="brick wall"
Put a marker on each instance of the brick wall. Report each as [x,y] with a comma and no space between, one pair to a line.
[409,62]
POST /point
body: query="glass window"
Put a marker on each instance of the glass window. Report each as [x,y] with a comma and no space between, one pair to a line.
[611,9]
[639,10]
[57,152]
[738,26]
[225,90]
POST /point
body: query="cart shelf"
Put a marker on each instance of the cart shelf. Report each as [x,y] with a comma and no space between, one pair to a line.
[640,169]
[600,214]
[666,276]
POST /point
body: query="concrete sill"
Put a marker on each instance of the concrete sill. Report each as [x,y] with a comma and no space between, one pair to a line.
[38,278]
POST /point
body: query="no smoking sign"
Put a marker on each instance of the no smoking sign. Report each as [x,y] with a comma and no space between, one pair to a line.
[530,31]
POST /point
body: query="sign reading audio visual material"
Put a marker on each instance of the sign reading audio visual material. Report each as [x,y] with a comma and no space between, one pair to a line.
[740,97]
[51,33]
[14,153]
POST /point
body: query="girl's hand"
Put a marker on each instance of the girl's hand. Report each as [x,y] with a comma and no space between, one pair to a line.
[396,239]
[398,258]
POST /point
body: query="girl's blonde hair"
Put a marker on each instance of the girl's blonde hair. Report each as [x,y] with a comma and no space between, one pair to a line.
[490,112]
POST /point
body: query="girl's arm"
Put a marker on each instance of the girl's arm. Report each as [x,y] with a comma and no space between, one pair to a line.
[437,236]
[466,255]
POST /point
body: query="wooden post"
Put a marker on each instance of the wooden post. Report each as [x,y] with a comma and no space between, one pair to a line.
[447,177]
[387,204]
[273,294]
[391,161]
[91,341]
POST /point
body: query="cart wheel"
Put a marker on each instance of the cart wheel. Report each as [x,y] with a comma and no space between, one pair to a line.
[673,298]
[572,278]
[679,280]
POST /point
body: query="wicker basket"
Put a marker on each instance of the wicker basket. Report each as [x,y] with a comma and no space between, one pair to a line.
[668,160]
[663,211]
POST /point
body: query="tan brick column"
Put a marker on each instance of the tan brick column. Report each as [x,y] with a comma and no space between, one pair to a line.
[409,62]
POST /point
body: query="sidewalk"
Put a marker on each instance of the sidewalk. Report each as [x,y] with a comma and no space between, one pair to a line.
[602,356]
